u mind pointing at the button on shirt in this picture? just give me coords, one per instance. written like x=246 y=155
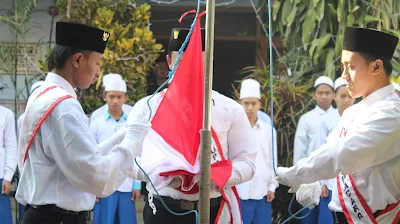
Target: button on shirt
x=105 y=127
x=65 y=166
x=264 y=177
x=232 y=126
x=8 y=144
x=368 y=149
x=308 y=125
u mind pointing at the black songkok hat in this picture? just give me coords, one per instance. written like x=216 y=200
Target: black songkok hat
x=81 y=36
x=178 y=36
x=369 y=41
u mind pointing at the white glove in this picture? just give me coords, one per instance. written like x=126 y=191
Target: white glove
x=136 y=129
x=308 y=193
x=281 y=178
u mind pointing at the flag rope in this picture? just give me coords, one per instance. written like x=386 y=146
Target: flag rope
x=271 y=85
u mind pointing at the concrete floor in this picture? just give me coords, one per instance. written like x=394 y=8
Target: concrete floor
x=139 y=211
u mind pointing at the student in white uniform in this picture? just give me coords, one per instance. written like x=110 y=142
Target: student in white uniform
x=8 y=161
x=397 y=88
x=233 y=130
x=343 y=101
x=119 y=207
x=63 y=168
x=101 y=110
x=363 y=152
x=307 y=128
x=257 y=194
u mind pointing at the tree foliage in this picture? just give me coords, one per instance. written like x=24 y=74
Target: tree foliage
x=314 y=28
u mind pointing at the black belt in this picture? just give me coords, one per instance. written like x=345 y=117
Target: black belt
x=55 y=209
x=188 y=205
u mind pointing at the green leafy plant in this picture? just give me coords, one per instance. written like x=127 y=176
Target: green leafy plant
x=131 y=50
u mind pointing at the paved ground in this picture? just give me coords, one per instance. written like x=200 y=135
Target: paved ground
x=139 y=210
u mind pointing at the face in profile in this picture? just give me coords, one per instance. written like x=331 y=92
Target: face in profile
x=358 y=74
x=86 y=68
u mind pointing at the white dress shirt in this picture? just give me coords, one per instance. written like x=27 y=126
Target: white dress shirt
x=328 y=123
x=232 y=126
x=8 y=144
x=370 y=152
x=308 y=125
x=101 y=110
x=103 y=128
x=264 y=177
x=65 y=166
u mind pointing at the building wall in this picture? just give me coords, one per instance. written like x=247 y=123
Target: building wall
x=40 y=26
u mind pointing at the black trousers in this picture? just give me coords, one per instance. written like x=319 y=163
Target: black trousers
x=163 y=216
x=341 y=218
x=49 y=215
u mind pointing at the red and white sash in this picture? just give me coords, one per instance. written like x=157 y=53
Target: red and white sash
x=38 y=108
x=356 y=208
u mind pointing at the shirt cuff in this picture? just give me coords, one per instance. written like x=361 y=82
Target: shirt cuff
x=272 y=187
x=8 y=176
x=137 y=185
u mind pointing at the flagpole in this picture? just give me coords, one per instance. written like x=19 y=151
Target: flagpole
x=205 y=145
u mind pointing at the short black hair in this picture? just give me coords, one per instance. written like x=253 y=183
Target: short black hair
x=59 y=56
x=387 y=65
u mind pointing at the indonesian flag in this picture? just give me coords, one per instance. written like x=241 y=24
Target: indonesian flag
x=171 y=148
x=179 y=117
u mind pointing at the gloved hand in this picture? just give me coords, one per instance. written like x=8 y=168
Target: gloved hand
x=308 y=193
x=280 y=172
x=136 y=129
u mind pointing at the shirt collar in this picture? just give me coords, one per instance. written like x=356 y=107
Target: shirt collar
x=319 y=110
x=60 y=81
x=258 y=123
x=378 y=95
x=107 y=116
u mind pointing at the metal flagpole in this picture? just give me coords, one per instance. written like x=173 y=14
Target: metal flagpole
x=205 y=145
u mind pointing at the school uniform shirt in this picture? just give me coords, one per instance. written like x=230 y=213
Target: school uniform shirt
x=369 y=150
x=327 y=125
x=65 y=166
x=264 y=117
x=306 y=128
x=101 y=110
x=105 y=127
x=8 y=144
x=264 y=177
x=232 y=127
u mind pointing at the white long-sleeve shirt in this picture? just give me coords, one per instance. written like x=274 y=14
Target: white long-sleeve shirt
x=104 y=128
x=328 y=123
x=233 y=129
x=65 y=166
x=8 y=144
x=264 y=177
x=308 y=125
x=369 y=150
